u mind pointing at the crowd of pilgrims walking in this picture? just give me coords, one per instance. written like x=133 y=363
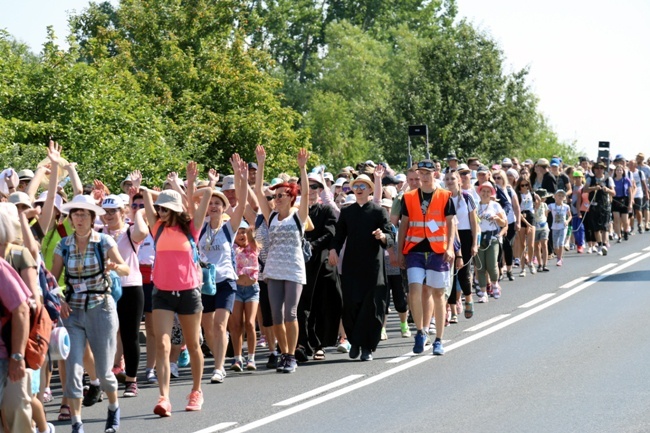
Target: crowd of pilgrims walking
x=296 y=264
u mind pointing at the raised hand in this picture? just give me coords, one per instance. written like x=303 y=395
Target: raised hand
x=260 y=153
x=303 y=156
x=54 y=152
x=235 y=161
x=379 y=172
x=136 y=179
x=213 y=176
x=191 y=172
x=172 y=177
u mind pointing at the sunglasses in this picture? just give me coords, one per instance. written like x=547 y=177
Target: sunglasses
x=360 y=186
x=346 y=189
x=137 y=206
x=160 y=209
x=426 y=164
x=270 y=197
x=110 y=211
x=280 y=195
x=497 y=177
x=525 y=185
x=314 y=186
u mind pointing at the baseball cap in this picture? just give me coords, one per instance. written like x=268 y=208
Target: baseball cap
x=506 y=161
x=555 y=162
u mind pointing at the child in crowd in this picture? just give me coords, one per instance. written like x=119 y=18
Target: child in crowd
x=541 y=230
x=560 y=215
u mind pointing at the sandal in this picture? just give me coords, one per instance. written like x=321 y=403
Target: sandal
x=454 y=318
x=64 y=413
x=319 y=355
x=469 y=310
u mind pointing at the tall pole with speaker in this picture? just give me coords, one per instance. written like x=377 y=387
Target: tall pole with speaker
x=603 y=152
x=418 y=131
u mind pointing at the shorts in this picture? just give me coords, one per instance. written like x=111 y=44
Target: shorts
x=529 y=217
x=148 y=294
x=246 y=294
x=559 y=237
x=639 y=204
x=429 y=269
x=223 y=299
x=541 y=234
x=180 y=302
x=620 y=205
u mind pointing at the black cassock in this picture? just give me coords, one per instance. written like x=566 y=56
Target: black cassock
x=363 y=279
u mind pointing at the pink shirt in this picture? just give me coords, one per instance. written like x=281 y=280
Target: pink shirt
x=174 y=268
x=129 y=254
x=246 y=260
x=13 y=292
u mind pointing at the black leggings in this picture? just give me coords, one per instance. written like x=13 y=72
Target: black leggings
x=464 y=275
x=129 y=313
x=507 y=244
x=398 y=289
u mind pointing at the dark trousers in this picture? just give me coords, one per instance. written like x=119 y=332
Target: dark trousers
x=129 y=313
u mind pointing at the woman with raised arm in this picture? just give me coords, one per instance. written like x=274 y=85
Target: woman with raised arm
x=176 y=284
x=285 y=264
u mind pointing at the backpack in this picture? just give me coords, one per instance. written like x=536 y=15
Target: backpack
x=305 y=246
x=38 y=340
x=49 y=284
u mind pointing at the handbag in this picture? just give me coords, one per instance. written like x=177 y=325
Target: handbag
x=209 y=286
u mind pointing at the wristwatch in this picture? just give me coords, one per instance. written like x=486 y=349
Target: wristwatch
x=17 y=356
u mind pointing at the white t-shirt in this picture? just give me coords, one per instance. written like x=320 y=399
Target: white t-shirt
x=527 y=203
x=147 y=252
x=638 y=176
x=462 y=210
x=485 y=212
x=214 y=248
x=559 y=215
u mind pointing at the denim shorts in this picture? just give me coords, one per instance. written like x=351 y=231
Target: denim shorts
x=180 y=302
x=248 y=293
x=223 y=299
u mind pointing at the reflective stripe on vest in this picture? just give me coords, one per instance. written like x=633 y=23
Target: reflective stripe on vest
x=418 y=230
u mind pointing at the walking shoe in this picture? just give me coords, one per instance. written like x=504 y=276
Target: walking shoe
x=599 y=251
x=163 y=407
x=173 y=370
x=522 y=273
x=93 y=395
x=301 y=354
x=437 y=348
x=112 y=421
x=131 y=389
x=354 y=352
x=539 y=268
x=480 y=293
x=580 y=249
x=516 y=263
x=236 y=365
x=545 y=268
x=366 y=354
x=559 y=263
x=604 y=250
x=427 y=341
x=184 y=358
x=250 y=365
x=50 y=428
x=453 y=318
x=77 y=427
x=119 y=373
x=625 y=236
x=496 y=291
x=640 y=230
x=510 y=277
x=218 y=376
x=272 y=362
x=482 y=299
x=290 y=364
x=420 y=338
x=151 y=376
x=194 y=401
x=384 y=335
x=344 y=346
x=281 y=363
x=404 y=328
x=532 y=269
x=489 y=289
x=261 y=342
x=47 y=395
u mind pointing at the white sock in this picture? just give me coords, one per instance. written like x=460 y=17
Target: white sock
x=95 y=382
x=75 y=419
x=113 y=406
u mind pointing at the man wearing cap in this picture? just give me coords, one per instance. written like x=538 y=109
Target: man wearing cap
x=426 y=251
x=645 y=207
x=252 y=173
x=452 y=162
x=365 y=229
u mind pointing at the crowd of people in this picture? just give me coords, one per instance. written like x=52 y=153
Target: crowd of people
x=296 y=263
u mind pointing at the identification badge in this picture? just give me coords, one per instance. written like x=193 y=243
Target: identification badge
x=432 y=225
x=203 y=257
x=80 y=288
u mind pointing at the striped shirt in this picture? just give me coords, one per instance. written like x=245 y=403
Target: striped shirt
x=85 y=269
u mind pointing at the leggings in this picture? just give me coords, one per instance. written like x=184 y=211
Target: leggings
x=283 y=297
x=463 y=276
x=507 y=244
x=398 y=289
x=486 y=262
x=129 y=312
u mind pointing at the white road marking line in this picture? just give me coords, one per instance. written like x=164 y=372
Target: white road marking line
x=537 y=300
x=216 y=428
x=486 y=323
x=574 y=282
x=419 y=360
x=631 y=256
x=604 y=268
x=410 y=354
x=320 y=390
x=646 y=249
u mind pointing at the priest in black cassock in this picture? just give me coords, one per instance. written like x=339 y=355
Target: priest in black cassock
x=366 y=228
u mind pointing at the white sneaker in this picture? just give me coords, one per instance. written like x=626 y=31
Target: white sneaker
x=533 y=271
x=50 y=428
x=599 y=251
x=173 y=370
x=522 y=273
x=218 y=376
x=406 y=333
x=603 y=250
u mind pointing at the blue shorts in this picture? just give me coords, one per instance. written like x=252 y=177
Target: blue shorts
x=248 y=293
x=223 y=299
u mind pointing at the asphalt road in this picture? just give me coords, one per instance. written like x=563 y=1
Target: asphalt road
x=563 y=351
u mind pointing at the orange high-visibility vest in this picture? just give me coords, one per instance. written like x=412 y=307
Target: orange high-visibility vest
x=418 y=230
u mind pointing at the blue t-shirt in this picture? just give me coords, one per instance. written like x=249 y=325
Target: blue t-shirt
x=622 y=186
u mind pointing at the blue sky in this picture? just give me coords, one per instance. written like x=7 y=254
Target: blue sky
x=588 y=60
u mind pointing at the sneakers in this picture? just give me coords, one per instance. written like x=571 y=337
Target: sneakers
x=437 y=348
x=510 y=277
x=420 y=338
x=354 y=352
x=580 y=249
x=261 y=342
x=603 y=250
x=218 y=376
x=496 y=291
x=490 y=288
x=482 y=299
x=532 y=269
x=559 y=262
x=366 y=355
x=250 y=365
x=480 y=293
x=163 y=408
x=151 y=376
x=237 y=365
x=272 y=362
x=173 y=370
x=77 y=427
x=194 y=401
x=93 y=395
x=343 y=346
x=131 y=389
x=281 y=364
x=184 y=358
x=119 y=373
x=50 y=428
x=404 y=328
x=545 y=268
x=47 y=395
x=384 y=335
x=112 y=421
x=290 y=364
x=523 y=272
x=516 y=263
